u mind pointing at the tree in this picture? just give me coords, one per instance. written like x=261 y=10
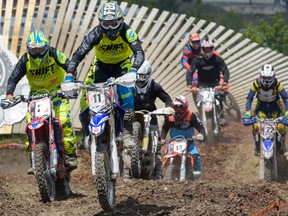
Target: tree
x=273 y=35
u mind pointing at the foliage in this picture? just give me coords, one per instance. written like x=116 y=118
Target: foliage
x=273 y=35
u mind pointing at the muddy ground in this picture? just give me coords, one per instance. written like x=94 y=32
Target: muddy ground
x=230 y=185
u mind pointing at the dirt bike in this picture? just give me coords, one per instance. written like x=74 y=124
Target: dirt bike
x=178 y=163
x=269 y=138
x=45 y=135
x=106 y=125
x=208 y=103
x=143 y=154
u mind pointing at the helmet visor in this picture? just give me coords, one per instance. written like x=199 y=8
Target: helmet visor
x=142 y=77
x=110 y=24
x=37 y=51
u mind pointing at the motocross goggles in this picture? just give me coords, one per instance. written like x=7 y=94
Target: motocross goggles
x=196 y=42
x=110 y=24
x=37 y=51
x=207 y=49
x=142 y=77
x=264 y=78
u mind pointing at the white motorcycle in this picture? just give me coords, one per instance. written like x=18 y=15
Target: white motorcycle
x=106 y=125
x=143 y=155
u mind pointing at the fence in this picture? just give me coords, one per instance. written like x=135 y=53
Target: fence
x=163 y=34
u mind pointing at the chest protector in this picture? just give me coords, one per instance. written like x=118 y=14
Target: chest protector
x=48 y=76
x=183 y=127
x=112 y=52
x=267 y=95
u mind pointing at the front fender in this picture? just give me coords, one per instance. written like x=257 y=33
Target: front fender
x=267 y=148
x=167 y=157
x=97 y=124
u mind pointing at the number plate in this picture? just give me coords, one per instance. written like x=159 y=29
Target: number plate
x=40 y=107
x=178 y=147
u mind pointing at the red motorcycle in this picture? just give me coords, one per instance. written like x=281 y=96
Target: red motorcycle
x=46 y=142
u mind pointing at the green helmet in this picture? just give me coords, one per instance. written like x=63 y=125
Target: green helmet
x=37 y=46
x=111 y=19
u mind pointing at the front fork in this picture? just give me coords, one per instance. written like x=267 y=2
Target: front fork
x=114 y=162
x=183 y=167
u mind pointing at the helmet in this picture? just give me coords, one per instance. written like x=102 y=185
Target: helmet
x=37 y=46
x=144 y=77
x=180 y=105
x=111 y=19
x=267 y=75
x=207 y=47
x=194 y=40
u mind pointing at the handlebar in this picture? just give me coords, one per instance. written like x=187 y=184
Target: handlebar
x=255 y=119
x=8 y=103
x=216 y=88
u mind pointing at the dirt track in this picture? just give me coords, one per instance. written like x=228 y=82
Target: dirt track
x=229 y=186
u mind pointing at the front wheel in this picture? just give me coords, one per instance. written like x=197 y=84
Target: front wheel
x=135 y=151
x=46 y=183
x=105 y=185
x=172 y=172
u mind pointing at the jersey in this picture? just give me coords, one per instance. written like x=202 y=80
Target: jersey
x=108 y=51
x=49 y=75
x=266 y=95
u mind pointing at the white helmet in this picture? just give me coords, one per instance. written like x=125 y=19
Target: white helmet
x=144 y=77
x=207 y=47
x=267 y=75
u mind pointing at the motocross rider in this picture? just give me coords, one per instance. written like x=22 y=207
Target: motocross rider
x=190 y=51
x=183 y=123
x=268 y=91
x=113 y=42
x=44 y=67
x=209 y=66
x=146 y=92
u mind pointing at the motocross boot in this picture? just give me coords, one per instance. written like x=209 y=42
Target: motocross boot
x=284 y=148
x=126 y=173
x=197 y=166
x=71 y=160
x=257 y=145
x=84 y=119
x=158 y=168
x=128 y=120
x=30 y=169
x=222 y=120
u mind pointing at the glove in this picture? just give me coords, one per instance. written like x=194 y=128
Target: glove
x=69 y=79
x=286 y=114
x=189 y=88
x=9 y=96
x=247 y=115
x=133 y=70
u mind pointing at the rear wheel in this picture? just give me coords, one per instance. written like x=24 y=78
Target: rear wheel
x=105 y=186
x=231 y=107
x=46 y=183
